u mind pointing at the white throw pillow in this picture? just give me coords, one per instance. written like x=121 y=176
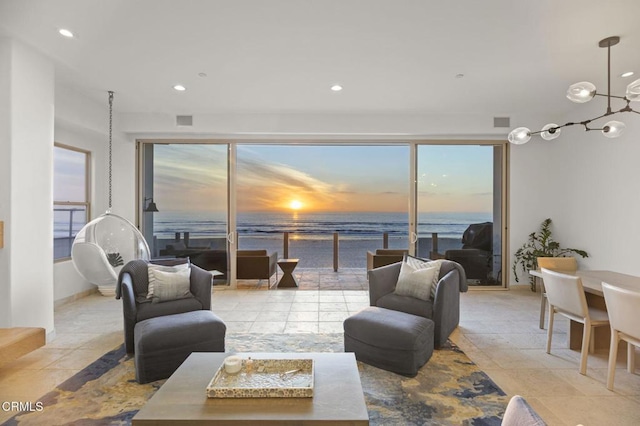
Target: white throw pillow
x=169 y=282
x=415 y=263
x=418 y=263
x=415 y=282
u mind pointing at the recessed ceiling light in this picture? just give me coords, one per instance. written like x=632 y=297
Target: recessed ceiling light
x=336 y=88
x=179 y=88
x=65 y=32
x=626 y=74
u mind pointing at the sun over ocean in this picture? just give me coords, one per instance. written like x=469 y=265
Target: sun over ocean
x=311 y=234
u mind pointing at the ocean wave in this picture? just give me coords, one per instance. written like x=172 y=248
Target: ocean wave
x=361 y=225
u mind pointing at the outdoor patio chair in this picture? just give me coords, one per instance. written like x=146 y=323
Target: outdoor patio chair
x=383 y=257
x=475 y=256
x=256 y=264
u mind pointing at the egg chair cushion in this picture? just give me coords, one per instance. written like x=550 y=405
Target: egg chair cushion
x=91 y=262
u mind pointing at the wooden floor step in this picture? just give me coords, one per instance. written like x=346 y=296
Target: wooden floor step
x=18 y=341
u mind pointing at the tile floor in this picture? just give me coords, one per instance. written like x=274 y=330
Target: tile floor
x=498 y=330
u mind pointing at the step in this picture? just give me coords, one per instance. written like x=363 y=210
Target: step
x=18 y=341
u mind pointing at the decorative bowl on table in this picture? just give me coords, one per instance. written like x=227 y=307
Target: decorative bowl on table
x=264 y=378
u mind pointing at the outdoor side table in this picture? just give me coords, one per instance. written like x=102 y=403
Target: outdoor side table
x=287 y=266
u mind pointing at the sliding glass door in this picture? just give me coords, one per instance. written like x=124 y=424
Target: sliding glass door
x=325 y=204
x=186 y=185
x=305 y=201
x=459 y=204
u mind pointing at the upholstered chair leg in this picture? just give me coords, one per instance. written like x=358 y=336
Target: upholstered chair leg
x=550 y=331
x=586 y=341
x=631 y=358
x=613 y=354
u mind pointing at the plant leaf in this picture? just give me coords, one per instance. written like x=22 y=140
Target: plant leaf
x=539 y=244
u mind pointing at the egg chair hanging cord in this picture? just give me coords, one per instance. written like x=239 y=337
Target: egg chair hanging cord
x=108 y=242
x=110 y=143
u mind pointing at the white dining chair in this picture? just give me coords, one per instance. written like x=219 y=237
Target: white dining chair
x=566 y=297
x=567 y=264
x=623 y=306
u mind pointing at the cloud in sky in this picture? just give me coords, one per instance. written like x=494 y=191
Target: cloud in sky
x=323 y=178
x=272 y=186
x=190 y=177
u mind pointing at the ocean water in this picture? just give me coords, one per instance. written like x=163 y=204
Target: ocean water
x=304 y=225
x=311 y=233
x=68 y=221
x=314 y=225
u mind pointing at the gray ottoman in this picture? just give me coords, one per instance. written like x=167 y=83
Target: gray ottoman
x=391 y=340
x=163 y=343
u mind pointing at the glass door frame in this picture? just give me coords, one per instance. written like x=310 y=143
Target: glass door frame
x=504 y=187
x=413 y=144
x=144 y=186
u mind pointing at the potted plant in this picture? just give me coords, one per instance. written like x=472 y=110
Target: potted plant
x=540 y=244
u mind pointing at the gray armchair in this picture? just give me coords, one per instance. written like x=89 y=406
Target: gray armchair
x=443 y=310
x=132 y=287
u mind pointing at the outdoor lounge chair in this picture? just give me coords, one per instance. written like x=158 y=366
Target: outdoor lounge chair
x=205 y=257
x=256 y=264
x=475 y=256
x=383 y=257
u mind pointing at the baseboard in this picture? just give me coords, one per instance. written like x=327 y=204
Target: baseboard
x=73 y=297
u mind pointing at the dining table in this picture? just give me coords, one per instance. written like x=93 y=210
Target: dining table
x=592 y=284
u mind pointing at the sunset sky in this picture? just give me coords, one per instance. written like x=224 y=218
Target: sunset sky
x=324 y=178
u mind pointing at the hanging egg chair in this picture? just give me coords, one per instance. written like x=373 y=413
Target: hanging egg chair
x=104 y=245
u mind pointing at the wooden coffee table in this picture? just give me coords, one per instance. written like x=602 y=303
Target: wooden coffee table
x=182 y=400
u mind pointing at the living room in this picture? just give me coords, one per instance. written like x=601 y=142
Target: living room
x=516 y=61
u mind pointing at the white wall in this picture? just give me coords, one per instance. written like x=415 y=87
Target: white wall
x=27 y=194
x=579 y=179
x=5 y=175
x=325 y=126
x=597 y=205
x=587 y=184
x=67 y=281
x=83 y=123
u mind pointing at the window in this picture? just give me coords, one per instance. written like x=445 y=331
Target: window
x=70 y=197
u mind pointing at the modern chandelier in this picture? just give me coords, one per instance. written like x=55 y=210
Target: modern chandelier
x=583 y=92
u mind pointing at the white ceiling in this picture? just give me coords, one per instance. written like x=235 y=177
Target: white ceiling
x=282 y=56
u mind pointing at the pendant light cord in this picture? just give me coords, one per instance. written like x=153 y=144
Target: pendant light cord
x=110 y=143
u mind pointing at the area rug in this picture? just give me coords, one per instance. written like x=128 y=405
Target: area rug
x=449 y=390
